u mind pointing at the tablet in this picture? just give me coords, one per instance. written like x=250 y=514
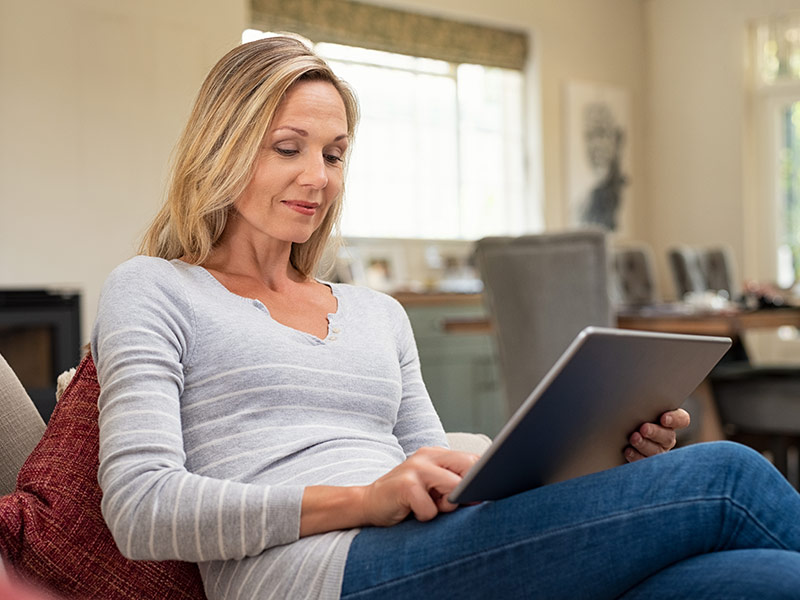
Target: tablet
x=579 y=417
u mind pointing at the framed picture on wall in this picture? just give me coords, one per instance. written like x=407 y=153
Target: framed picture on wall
x=598 y=163
x=379 y=265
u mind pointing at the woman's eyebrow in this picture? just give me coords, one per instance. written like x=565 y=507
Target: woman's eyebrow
x=297 y=130
x=304 y=133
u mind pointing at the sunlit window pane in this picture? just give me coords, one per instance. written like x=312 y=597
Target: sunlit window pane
x=789 y=240
x=492 y=161
x=777 y=51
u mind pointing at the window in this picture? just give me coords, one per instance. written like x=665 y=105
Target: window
x=789 y=190
x=777 y=49
x=776 y=95
x=439 y=151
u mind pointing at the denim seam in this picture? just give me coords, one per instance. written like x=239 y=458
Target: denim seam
x=758 y=523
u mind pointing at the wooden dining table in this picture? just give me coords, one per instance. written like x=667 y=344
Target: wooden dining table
x=731 y=322
x=726 y=322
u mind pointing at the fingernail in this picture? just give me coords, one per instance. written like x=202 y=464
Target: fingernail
x=668 y=420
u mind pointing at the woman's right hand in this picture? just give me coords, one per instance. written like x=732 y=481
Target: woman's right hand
x=420 y=485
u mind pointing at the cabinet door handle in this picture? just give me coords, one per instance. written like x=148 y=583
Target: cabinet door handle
x=473 y=325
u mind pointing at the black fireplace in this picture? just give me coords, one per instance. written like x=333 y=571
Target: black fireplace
x=40 y=338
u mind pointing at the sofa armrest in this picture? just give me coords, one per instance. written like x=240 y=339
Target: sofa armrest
x=21 y=427
x=477 y=443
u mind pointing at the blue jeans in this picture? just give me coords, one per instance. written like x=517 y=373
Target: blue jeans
x=707 y=521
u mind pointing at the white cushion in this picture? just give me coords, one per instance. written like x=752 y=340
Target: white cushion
x=477 y=443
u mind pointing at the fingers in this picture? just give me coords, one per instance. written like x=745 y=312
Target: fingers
x=632 y=454
x=420 y=486
x=440 y=472
x=457 y=462
x=655 y=437
x=676 y=419
x=652 y=438
x=421 y=503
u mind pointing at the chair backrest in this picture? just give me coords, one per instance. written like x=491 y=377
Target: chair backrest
x=21 y=427
x=541 y=290
x=702 y=270
x=634 y=276
x=687 y=270
x=719 y=271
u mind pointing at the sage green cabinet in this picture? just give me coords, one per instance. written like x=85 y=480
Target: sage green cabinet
x=459 y=367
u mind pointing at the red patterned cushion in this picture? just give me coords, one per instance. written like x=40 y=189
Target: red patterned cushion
x=51 y=529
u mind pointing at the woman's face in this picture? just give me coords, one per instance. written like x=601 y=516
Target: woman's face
x=299 y=170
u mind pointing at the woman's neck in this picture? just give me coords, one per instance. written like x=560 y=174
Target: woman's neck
x=268 y=264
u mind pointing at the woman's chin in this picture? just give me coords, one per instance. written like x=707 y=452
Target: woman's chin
x=302 y=238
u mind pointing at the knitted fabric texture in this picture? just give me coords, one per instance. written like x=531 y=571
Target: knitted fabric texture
x=52 y=533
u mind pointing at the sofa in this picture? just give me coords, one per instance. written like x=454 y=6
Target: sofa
x=52 y=534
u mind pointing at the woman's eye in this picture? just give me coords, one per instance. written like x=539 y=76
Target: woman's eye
x=286 y=151
x=333 y=159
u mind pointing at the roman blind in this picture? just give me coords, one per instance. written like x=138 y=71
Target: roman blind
x=391 y=30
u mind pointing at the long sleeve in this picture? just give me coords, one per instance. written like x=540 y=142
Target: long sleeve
x=417 y=424
x=156 y=508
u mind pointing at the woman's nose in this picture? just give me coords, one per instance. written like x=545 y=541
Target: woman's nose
x=314 y=173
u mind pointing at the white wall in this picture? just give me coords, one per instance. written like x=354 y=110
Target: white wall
x=701 y=152
x=93 y=94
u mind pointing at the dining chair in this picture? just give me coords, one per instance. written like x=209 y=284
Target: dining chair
x=634 y=276
x=719 y=271
x=703 y=269
x=687 y=270
x=540 y=291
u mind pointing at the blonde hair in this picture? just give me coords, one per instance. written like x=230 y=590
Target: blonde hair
x=216 y=154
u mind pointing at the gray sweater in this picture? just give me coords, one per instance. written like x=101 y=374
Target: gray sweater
x=214 y=417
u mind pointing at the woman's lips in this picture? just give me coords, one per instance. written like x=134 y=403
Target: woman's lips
x=304 y=208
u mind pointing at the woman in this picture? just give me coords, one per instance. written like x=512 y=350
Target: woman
x=253 y=418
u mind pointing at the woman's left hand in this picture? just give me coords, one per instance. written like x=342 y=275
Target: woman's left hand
x=655 y=438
